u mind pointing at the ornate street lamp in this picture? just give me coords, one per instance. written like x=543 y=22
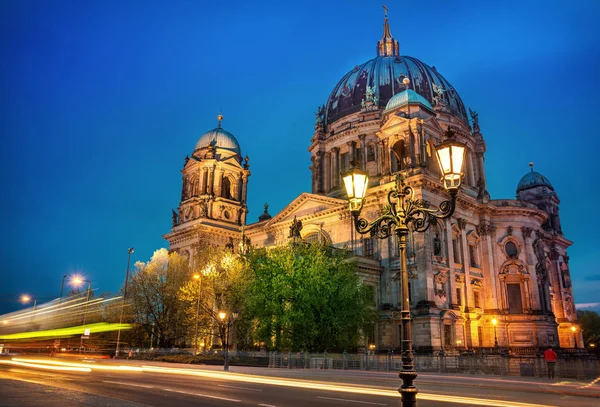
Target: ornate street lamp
x=230 y=320
x=495 y=322
x=402 y=214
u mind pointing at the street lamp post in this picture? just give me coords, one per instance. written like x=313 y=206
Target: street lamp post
x=229 y=320
x=495 y=322
x=62 y=286
x=197 y=277
x=78 y=281
x=404 y=211
x=129 y=252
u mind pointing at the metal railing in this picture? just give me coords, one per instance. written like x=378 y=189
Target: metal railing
x=581 y=368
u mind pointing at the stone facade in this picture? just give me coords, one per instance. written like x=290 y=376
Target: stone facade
x=503 y=259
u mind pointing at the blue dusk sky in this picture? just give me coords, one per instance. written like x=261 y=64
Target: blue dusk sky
x=101 y=101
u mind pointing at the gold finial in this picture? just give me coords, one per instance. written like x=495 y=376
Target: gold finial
x=531 y=165
x=220 y=118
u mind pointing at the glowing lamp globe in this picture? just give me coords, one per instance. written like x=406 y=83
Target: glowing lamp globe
x=355 y=182
x=451 y=157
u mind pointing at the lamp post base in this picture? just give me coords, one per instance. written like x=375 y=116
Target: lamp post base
x=408 y=391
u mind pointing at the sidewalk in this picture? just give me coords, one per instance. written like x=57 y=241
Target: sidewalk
x=390 y=379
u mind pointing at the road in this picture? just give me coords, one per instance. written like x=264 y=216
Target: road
x=36 y=382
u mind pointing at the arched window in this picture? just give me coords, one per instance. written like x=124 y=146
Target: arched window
x=398 y=156
x=226 y=188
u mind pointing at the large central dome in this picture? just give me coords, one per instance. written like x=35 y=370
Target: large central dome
x=384 y=74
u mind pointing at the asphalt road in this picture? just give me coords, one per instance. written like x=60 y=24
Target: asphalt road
x=176 y=385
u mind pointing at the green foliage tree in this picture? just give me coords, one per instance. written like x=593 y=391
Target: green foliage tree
x=589 y=322
x=307 y=297
x=153 y=292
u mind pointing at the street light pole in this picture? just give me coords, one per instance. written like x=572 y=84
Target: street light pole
x=230 y=319
x=87 y=300
x=403 y=211
x=197 y=277
x=129 y=252
x=62 y=286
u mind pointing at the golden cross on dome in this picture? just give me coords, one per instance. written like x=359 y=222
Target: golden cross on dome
x=220 y=118
x=385 y=10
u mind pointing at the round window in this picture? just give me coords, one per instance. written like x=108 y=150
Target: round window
x=511 y=249
x=227 y=215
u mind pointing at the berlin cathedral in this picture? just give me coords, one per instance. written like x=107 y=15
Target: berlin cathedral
x=494 y=274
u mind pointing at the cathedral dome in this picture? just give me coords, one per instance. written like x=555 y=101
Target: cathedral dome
x=533 y=179
x=406 y=97
x=219 y=138
x=384 y=75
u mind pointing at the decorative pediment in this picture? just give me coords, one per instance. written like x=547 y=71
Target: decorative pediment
x=513 y=267
x=307 y=204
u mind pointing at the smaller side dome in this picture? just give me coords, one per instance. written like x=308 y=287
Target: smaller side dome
x=406 y=97
x=533 y=179
x=219 y=138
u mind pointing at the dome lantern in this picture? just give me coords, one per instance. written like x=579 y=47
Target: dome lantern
x=387 y=46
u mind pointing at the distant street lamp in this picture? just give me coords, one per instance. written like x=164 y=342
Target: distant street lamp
x=574 y=330
x=228 y=320
x=129 y=252
x=25 y=299
x=405 y=210
x=495 y=322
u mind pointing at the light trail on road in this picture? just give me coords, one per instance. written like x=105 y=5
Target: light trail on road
x=282 y=382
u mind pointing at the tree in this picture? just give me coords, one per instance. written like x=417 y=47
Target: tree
x=307 y=297
x=154 y=290
x=217 y=283
x=589 y=322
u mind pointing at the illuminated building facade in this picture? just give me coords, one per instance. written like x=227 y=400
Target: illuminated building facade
x=503 y=259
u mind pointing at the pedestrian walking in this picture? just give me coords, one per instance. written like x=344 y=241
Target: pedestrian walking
x=550 y=357
x=130 y=356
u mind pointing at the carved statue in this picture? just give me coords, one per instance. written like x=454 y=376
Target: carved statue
x=295 y=228
x=437 y=245
x=376 y=100
x=174 y=217
x=203 y=208
x=370 y=152
x=370 y=93
x=246 y=162
x=320 y=117
x=474 y=116
x=439 y=97
x=363 y=103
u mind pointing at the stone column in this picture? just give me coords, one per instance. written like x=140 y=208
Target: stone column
x=327 y=171
x=244 y=188
x=363 y=153
x=202 y=181
x=450 y=253
x=335 y=151
x=352 y=145
x=211 y=180
x=320 y=172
